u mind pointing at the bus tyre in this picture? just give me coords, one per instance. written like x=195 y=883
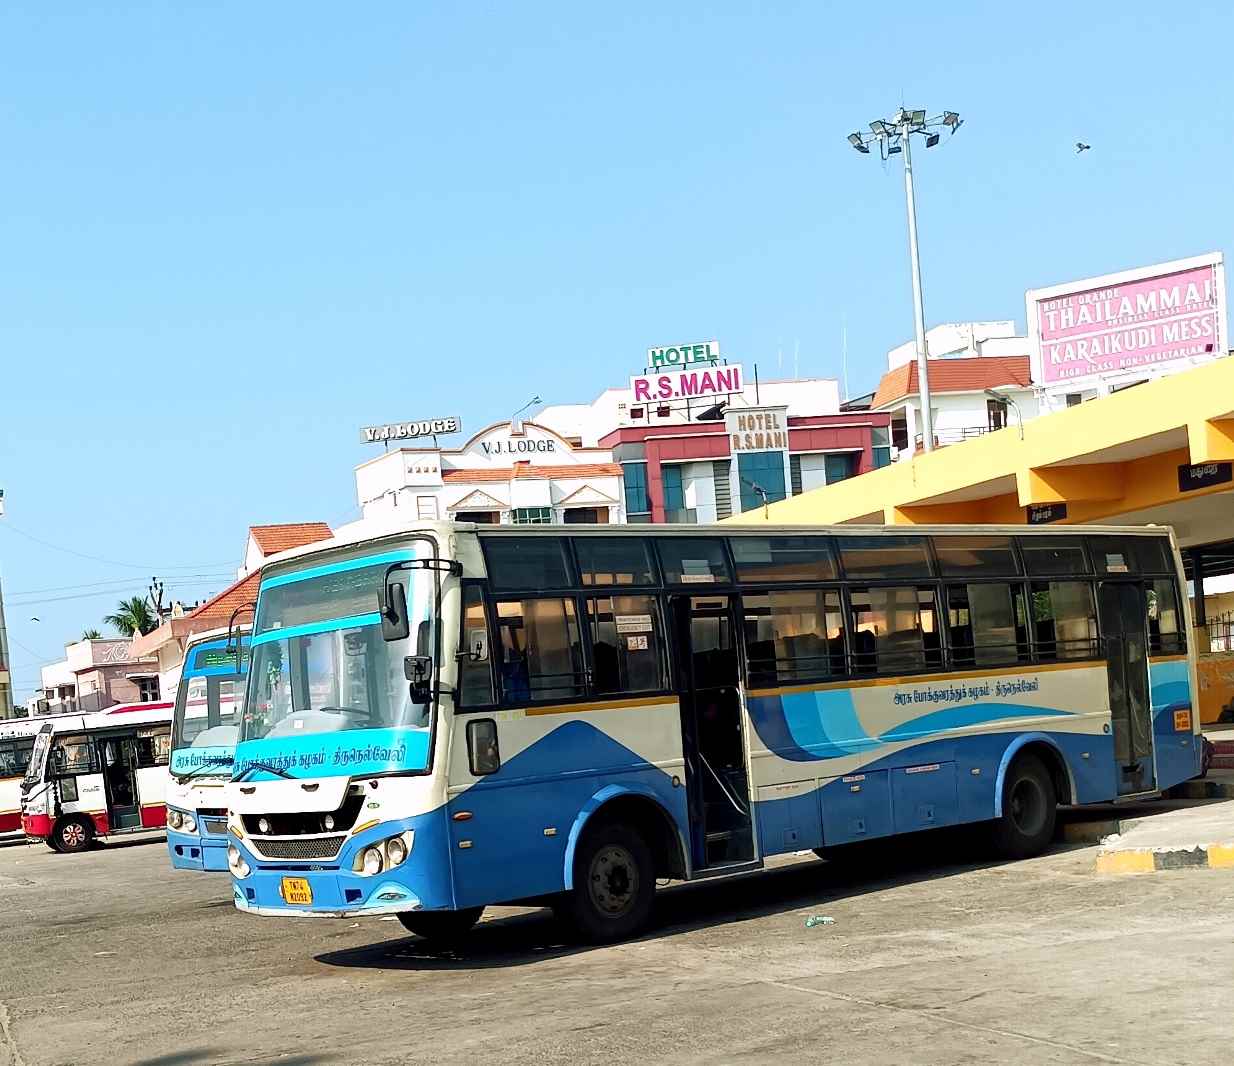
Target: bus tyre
x=1030 y=806
x=71 y=834
x=441 y=927
x=614 y=885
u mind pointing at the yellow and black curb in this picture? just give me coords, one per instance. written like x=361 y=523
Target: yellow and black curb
x=1146 y=860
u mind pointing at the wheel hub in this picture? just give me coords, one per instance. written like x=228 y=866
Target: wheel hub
x=613 y=880
x=74 y=835
x=1027 y=807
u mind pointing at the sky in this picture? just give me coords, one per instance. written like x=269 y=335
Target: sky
x=234 y=233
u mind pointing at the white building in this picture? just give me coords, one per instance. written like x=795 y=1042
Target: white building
x=967 y=362
x=511 y=472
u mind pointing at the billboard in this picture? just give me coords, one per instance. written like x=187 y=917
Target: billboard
x=1133 y=320
x=698 y=384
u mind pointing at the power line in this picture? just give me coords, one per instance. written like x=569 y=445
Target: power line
x=118 y=583
x=149 y=567
x=38 y=601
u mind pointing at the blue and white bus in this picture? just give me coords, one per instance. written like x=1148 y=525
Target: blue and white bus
x=455 y=716
x=203 y=746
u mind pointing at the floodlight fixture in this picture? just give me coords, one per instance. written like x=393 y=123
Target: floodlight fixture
x=880 y=127
x=931 y=140
x=917 y=118
x=951 y=118
x=892 y=149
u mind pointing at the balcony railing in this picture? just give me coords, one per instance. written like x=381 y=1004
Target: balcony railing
x=943 y=437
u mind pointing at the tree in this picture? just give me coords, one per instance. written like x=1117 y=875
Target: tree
x=132 y=617
x=92 y=634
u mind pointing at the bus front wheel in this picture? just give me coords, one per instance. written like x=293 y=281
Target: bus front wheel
x=1030 y=806
x=614 y=884
x=71 y=835
x=441 y=927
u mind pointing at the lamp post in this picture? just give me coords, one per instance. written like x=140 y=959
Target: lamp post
x=894 y=137
x=1004 y=398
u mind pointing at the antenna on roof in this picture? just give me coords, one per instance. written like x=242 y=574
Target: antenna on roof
x=844 y=350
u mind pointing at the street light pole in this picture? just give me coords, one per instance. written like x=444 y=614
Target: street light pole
x=923 y=370
x=894 y=136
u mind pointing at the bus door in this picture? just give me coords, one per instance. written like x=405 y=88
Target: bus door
x=713 y=744
x=118 y=754
x=1123 y=617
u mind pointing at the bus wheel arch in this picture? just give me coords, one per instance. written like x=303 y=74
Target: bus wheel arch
x=642 y=812
x=1047 y=752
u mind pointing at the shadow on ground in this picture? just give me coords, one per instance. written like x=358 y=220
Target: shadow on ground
x=847 y=872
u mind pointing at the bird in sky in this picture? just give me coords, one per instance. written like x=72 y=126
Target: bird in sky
x=1080 y=146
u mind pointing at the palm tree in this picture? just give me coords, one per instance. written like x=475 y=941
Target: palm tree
x=92 y=634
x=132 y=617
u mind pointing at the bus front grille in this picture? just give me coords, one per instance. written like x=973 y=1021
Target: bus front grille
x=303 y=848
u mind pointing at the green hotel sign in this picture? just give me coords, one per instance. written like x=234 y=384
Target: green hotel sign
x=680 y=356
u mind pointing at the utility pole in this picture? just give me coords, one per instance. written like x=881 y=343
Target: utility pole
x=894 y=137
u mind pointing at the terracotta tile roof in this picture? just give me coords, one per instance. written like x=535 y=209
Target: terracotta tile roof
x=217 y=611
x=954 y=375
x=529 y=470
x=271 y=539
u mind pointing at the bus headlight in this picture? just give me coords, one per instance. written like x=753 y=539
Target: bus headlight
x=396 y=850
x=174 y=820
x=189 y=823
x=236 y=863
x=371 y=861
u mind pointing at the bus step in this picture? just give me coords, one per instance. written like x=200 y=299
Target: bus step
x=719 y=836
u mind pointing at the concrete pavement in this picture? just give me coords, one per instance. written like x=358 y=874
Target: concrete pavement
x=113 y=957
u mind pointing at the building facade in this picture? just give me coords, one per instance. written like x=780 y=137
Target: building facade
x=619 y=459
x=96 y=674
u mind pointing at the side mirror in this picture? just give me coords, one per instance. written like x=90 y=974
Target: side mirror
x=392 y=605
x=418 y=669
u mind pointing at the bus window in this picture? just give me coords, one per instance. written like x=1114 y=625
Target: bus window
x=1053 y=556
x=986 y=624
x=74 y=755
x=15 y=756
x=626 y=644
x=475 y=668
x=964 y=556
x=693 y=561
x=1165 y=632
x=1064 y=620
x=894 y=630
x=541 y=654
x=614 y=561
x=878 y=558
x=793 y=635
x=526 y=563
x=153 y=747
x=1129 y=555
x=779 y=559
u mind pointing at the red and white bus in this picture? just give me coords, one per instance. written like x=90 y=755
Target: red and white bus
x=97 y=775
x=16 y=743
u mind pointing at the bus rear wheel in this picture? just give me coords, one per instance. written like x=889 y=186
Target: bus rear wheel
x=71 y=835
x=614 y=885
x=1030 y=806
x=441 y=927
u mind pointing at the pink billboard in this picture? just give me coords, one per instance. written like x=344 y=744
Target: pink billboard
x=1124 y=322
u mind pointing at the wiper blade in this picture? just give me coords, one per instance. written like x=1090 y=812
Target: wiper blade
x=278 y=771
x=222 y=768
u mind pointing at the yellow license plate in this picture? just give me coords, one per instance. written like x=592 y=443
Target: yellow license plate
x=296 y=890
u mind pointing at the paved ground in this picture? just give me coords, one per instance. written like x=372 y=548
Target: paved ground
x=111 y=957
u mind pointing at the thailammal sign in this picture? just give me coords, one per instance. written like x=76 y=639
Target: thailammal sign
x=1137 y=319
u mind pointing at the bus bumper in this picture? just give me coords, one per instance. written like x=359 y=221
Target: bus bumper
x=421 y=882
x=36 y=825
x=190 y=851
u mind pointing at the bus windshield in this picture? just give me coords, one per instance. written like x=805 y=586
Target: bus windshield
x=208 y=705
x=34 y=770
x=326 y=692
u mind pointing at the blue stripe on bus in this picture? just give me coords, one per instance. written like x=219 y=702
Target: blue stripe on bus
x=337 y=568
x=329 y=625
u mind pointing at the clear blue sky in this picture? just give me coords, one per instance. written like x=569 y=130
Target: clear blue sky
x=234 y=234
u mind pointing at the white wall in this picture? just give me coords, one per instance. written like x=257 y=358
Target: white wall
x=963 y=339
x=955 y=412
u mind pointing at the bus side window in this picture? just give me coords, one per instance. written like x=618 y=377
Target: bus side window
x=74 y=755
x=985 y=624
x=475 y=667
x=793 y=635
x=541 y=653
x=1165 y=633
x=625 y=644
x=8 y=761
x=153 y=748
x=895 y=630
x=1064 y=620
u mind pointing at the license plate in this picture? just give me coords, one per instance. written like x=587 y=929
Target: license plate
x=296 y=890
